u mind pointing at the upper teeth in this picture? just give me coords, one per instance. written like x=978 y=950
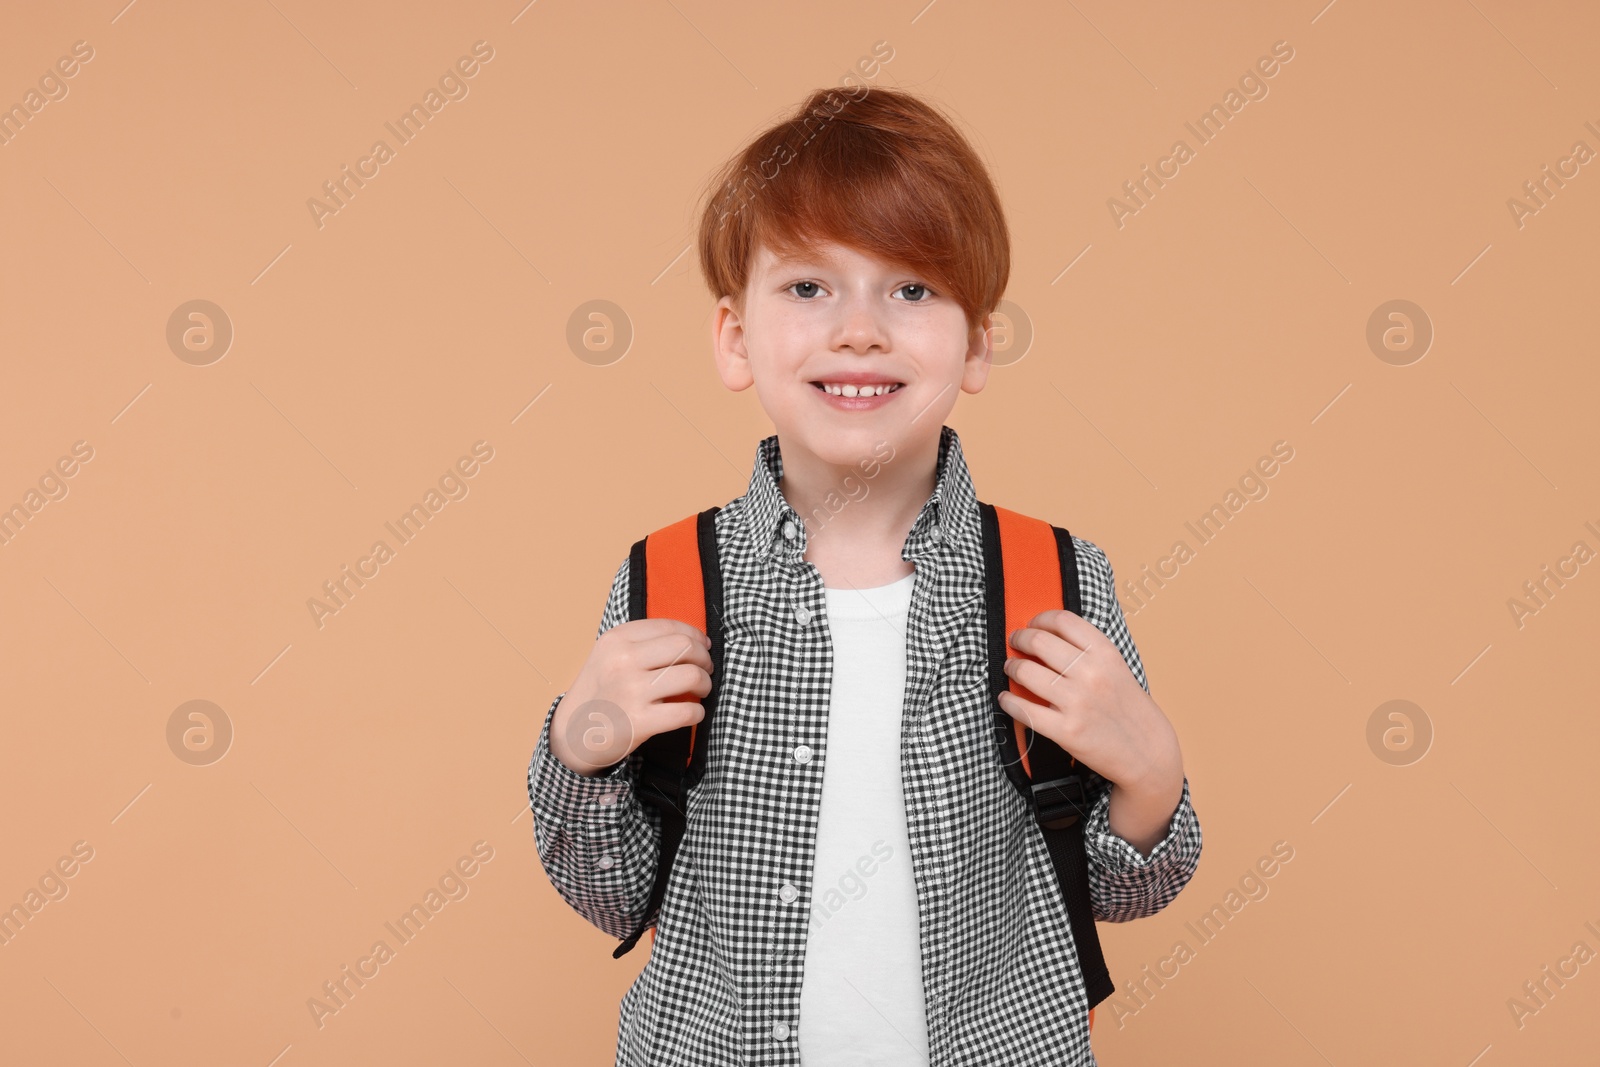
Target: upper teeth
x=859 y=390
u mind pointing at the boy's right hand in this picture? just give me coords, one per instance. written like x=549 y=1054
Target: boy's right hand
x=639 y=680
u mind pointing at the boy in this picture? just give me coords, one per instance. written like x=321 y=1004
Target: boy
x=858 y=882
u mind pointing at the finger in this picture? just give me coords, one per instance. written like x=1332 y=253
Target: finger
x=678 y=679
x=1026 y=711
x=669 y=715
x=1060 y=726
x=1069 y=626
x=1049 y=647
x=669 y=649
x=652 y=629
x=1043 y=683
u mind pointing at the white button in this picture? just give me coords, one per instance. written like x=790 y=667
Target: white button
x=933 y=532
x=788 y=530
x=787 y=893
x=802 y=754
x=781 y=1031
x=607 y=862
x=607 y=798
x=802 y=615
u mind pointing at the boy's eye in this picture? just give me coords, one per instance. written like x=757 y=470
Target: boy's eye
x=815 y=288
x=922 y=291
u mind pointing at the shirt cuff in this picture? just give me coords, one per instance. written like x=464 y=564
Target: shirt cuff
x=558 y=794
x=1118 y=853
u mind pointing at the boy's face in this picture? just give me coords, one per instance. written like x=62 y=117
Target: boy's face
x=835 y=311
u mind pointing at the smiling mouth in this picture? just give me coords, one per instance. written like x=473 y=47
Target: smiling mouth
x=876 y=389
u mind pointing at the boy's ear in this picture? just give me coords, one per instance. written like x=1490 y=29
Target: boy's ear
x=727 y=346
x=980 y=356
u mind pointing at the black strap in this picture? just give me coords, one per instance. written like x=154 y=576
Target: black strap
x=1059 y=791
x=669 y=770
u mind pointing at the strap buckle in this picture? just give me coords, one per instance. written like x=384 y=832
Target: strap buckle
x=1060 y=802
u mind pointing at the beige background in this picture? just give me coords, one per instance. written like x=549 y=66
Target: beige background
x=431 y=312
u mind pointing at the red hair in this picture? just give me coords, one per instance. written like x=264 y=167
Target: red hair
x=877 y=170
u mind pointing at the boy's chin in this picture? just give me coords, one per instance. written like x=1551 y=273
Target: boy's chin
x=849 y=446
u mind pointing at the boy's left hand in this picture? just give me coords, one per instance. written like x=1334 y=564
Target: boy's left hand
x=1095 y=709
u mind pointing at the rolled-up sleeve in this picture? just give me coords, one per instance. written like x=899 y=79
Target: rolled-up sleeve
x=597 y=843
x=1123 y=883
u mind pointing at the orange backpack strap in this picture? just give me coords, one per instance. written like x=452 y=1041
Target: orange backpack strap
x=673 y=585
x=1030 y=566
x=673 y=573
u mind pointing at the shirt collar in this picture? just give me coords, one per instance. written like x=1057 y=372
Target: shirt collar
x=779 y=533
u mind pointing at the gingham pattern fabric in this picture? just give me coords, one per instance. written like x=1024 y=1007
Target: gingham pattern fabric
x=722 y=984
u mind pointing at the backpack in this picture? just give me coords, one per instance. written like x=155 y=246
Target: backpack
x=1030 y=566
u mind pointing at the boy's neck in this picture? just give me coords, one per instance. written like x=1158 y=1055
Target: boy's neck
x=856 y=526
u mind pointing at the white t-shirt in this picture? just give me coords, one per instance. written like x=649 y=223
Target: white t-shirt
x=861 y=996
